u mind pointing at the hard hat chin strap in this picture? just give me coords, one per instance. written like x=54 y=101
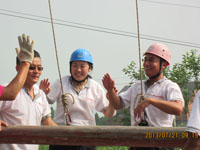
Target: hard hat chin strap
x=79 y=82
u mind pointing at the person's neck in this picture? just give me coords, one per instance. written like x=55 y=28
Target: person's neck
x=79 y=85
x=28 y=85
x=152 y=81
x=30 y=89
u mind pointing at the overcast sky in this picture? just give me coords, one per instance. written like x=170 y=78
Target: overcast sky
x=93 y=24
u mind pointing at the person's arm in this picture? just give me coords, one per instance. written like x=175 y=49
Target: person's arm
x=109 y=111
x=25 y=55
x=193 y=125
x=171 y=107
x=11 y=90
x=174 y=107
x=112 y=96
x=48 y=121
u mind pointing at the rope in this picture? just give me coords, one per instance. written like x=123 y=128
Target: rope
x=64 y=95
x=138 y=34
x=54 y=37
x=65 y=101
x=141 y=98
x=141 y=85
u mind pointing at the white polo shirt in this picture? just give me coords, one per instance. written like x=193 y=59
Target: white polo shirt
x=91 y=98
x=24 y=111
x=193 y=124
x=163 y=89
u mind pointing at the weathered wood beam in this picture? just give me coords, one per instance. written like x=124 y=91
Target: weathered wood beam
x=95 y=136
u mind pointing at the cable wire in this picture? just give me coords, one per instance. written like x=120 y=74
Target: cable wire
x=123 y=33
x=142 y=35
x=165 y=3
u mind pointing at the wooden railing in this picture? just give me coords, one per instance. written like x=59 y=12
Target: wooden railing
x=95 y=136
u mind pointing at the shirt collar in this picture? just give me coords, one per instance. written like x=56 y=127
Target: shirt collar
x=35 y=88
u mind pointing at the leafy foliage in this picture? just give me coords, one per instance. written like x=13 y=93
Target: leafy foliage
x=44 y=147
x=52 y=112
x=133 y=72
x=186 y=71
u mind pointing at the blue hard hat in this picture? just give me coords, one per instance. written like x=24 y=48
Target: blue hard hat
x=81 y=55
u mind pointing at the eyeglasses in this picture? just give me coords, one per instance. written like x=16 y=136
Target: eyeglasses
x=39 y=68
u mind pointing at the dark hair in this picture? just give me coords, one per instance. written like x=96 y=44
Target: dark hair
x=36 y=54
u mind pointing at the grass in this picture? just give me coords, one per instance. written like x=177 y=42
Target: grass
x=112 y=148
x=46 y=147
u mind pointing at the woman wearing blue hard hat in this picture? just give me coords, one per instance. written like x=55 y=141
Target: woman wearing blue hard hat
x=84 y=96
x=82 y=58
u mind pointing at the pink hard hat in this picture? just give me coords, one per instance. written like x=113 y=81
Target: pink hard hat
x=161 y=51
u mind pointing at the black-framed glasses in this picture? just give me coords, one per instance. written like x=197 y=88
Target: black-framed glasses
x=39 y=68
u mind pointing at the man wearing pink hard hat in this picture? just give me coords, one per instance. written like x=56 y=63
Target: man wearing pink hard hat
x=161 y=98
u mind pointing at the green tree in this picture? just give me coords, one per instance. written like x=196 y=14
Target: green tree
x=186 y=71
x=133 y=72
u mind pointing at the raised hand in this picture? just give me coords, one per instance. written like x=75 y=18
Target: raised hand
x=25 y=52
x=45 y=86
x=108 y=83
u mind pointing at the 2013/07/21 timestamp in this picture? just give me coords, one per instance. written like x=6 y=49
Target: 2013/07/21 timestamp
x=173 y=135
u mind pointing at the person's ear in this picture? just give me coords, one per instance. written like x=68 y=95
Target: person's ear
x=164 y=64
x=89 y=69
x=17 y=68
